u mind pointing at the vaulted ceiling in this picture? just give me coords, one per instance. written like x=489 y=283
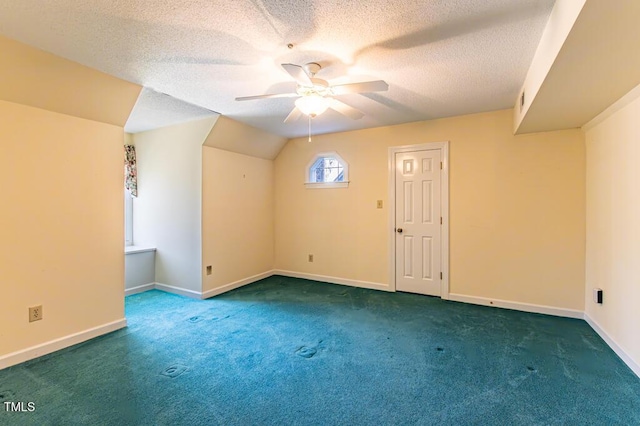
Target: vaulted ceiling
x=440 y=58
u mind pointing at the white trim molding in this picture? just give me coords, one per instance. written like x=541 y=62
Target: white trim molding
x=333 y=280
x=249 y=280
x=236 y=284
x=178 y=290
x=137 y=249
x=634 y=366
x=517 y=306
x=60 y=343
x=73 y=339
x=196 y=294
x=444 y=210
x=326 y=185
x=139 y=289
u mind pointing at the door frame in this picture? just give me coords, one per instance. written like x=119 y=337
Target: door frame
x=444 y=207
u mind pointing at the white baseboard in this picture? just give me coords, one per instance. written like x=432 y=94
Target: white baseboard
x=196 y=294
x=73 y=339
x=236 y=284
x=178 y=290
x=634 y=366
x=333 y=280
x=139 y=289
x=518 y=306
x=60 y=343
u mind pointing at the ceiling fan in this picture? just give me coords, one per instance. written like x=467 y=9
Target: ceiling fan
x=316 y=95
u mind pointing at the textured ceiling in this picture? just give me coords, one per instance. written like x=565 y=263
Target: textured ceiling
x=153 y=110
x=441 y=58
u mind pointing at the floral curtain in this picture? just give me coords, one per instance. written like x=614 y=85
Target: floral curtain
x=130 y=170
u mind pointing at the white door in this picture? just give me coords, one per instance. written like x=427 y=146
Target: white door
x=418 y=229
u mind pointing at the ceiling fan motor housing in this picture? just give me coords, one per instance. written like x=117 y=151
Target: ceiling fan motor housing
x=320 y=87
x=315 y=95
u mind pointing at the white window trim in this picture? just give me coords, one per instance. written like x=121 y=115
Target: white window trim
x=128 y=218
x=326 y=185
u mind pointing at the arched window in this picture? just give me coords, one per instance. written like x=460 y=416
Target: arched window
x=327 y=170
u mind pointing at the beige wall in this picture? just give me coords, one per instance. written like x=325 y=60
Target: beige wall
x=517 y=220
x=613 y=230
x=167 y=211
x=61 y=239
x=237 y=217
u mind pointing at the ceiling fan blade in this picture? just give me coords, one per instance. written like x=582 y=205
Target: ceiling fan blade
x=364 y=87
x=298 y=73
x=293 y=115
x=345 y=109
x=274 y=95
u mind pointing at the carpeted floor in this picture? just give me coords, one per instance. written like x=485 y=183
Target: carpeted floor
x=290 y=351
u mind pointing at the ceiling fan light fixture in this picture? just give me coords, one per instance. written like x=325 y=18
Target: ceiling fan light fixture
x=312 y=105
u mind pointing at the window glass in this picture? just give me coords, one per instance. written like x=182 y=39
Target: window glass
x=326 y=169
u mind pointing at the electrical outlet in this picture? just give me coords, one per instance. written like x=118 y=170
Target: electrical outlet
x=597 y=295
x=310 y=258
x=35 y=313
x=209 y=270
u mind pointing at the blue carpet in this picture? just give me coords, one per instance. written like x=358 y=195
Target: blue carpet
x=290 y=351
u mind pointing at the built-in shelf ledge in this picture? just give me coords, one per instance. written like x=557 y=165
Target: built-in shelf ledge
x=137 y=249
x=325 y=185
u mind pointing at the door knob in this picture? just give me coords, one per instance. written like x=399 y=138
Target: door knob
x=399 y=230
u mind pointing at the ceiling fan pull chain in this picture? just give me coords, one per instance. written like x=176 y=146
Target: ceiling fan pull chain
x=309 y=129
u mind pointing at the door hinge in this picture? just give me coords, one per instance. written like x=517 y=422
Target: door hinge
x=440 y=275
x=441 y=165
x=441 y=220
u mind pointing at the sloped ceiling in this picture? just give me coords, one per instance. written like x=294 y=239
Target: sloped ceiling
x=153 y=110
x=39 y=79
x=441 y=58
x=597 y=63
x=234 y=136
